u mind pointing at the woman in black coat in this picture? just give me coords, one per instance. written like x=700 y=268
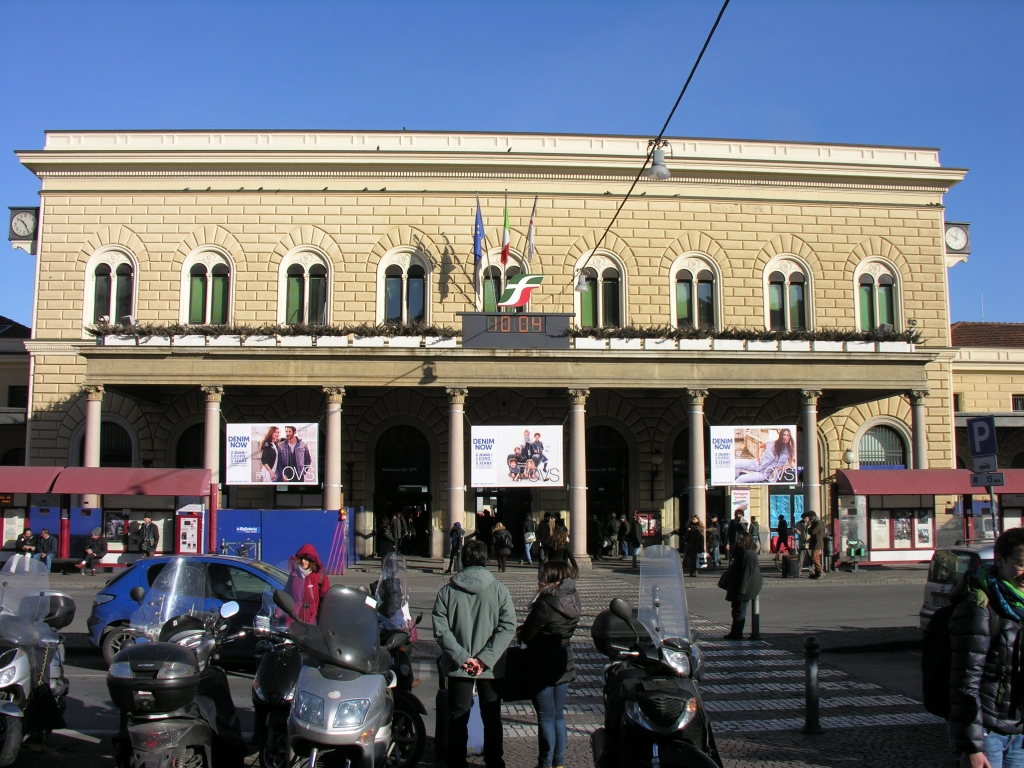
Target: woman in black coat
x=693 y=546
x=547 y=634
x=742 y=582
x=557 y=550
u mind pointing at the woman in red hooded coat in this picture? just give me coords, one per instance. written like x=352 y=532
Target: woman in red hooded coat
x=306 y=584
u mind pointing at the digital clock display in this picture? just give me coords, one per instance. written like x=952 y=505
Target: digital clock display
x=516 y=324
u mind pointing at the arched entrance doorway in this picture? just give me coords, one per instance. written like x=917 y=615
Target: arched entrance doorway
x=607 y=475
x=402 y=485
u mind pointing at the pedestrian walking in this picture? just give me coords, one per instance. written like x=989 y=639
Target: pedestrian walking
x=46 y=548
x=742 y=582
x=558 y=550
x=306 y=583
x=984 y=629
x=594 y=537
x=547 y=634
x=611 y=536
x=816 y=543
x=385 y=538
x=149 y=537
x=474 y=621
x=714 y=542
x=544 y=532
x=399 y=532
x=782 y=543
x=755 y=534
x=529 y=538
x=723 y=537
x=502 y=545
x=693 y=546
x=95 y=551
x=636 y=533
x=455 y=538
x=624 y=528
x=736 y=526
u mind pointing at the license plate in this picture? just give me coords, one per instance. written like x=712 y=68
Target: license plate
x=939 y=599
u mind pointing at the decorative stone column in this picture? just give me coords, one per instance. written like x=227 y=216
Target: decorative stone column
x=578 y=476
x=812 y=471
x=211 y=433
x=456 y=459
x=333 y=497
x=91 y=449
x=919 y=428
x=698 y=481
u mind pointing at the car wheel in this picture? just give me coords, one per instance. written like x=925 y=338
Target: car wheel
x=114 y=640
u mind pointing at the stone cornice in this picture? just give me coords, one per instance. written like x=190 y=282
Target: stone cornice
x=43 y=347
x=977 y=359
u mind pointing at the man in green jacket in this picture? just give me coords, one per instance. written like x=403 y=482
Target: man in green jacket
x=474 y=622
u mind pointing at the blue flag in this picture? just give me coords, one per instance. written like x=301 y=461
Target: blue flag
x=478 y=234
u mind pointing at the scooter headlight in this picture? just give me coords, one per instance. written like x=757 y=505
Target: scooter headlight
x=8 y=661
x=662 y=719
x=310 y=709
x=173 y=670
x=121 y=669
x=678 y=660
x=351 y=713
x=258 y=690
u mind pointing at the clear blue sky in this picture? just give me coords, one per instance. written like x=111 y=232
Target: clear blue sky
x=936 y=74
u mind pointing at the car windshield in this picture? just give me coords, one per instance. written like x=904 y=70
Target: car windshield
x=661 y=607
x=179 y=590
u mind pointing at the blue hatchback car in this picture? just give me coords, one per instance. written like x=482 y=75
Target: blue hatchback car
x=229 y=578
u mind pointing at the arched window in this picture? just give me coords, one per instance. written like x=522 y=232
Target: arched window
x=877 y=296
x=403 y=292
x=305 y=289
x=786 y=296
x=110 y=287
x=116 y=448
x=694 y=294
x=494 y=278
x=882 y=447
x=206 y=289
x=602 y=302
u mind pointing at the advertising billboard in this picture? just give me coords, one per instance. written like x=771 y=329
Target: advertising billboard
x=754 y=455
x=283 y=453
x=517 y=456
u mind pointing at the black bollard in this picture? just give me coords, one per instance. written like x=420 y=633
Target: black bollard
x=755 y=618
x=812 y=649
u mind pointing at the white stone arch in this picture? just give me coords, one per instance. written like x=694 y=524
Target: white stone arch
x=306 y=256
x=876 y=266
x=900 y=427
x=694 y=261
x=75 y=443
x=789 y=264
x=405 y=257
x=113 y=256
x=600 y=261
x=492 y=258
x=209 y=256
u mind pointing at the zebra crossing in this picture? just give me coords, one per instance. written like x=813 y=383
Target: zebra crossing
x=747 y=685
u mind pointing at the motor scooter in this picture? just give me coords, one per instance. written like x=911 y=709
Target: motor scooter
x=33 y=687
x=176 y=706
x=654 y=714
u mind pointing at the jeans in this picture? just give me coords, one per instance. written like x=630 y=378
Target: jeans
x=1004 y=751
x=625 y=549
x=551 y=730
x=636 y=551
x=455 y=561
x=716 y=556
x=45 y=558
x=460 y=702
x=739 y=610
x=526 y=551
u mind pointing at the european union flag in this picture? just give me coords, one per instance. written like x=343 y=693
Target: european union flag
x=478 y=234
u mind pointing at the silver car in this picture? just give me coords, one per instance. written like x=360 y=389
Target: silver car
x=946 y=568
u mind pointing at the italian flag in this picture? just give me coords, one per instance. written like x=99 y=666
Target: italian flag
x=505 y=239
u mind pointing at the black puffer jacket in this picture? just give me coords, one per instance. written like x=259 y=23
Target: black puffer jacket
x=547 y=633
x=982 y=670
x=743 y=579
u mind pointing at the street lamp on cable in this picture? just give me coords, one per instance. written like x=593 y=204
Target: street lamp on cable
x=658 y=169
x=581 y=283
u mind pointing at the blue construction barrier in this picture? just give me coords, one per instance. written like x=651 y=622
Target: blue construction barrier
x=280 y=533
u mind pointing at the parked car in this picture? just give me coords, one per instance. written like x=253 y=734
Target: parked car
x=229 y=578
x=946 y=568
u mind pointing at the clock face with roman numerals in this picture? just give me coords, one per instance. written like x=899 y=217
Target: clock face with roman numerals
x=23 y=224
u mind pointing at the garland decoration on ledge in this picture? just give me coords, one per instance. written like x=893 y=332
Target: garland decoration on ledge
x=143 y=330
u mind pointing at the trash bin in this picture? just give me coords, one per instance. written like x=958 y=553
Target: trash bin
x=791 y=566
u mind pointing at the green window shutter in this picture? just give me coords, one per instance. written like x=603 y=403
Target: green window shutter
x=797 y=307
x=886 y=305
x=776 y=317
x=867 y=306
x=684 y=303
x=219 y=300
x=293 y=303
x=588 y=305
x=197 y=299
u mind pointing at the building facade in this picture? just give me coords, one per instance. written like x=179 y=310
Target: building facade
x=351 y=230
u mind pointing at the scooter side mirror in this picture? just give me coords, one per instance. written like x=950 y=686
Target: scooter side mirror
x=418 y=620
x=623 y=610
x=229 y=609
x=138 y=594
x=285 y=602
x=396 y=641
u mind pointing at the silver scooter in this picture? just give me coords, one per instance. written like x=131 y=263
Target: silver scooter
x=344 y=701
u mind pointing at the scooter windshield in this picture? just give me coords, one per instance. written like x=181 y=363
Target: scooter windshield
x=180 y=589
x=270 y=618
x=24 y=599
x=345 y=633
x=662 y=604
x=392 y=594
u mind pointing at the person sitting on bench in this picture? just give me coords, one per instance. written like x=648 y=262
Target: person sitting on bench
x=46 y=548
x=95 y=550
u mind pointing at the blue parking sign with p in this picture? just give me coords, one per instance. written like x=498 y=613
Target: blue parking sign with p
x=981 y=436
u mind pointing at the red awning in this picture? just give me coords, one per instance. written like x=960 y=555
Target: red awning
x=117 y=481
x=28 y=479
x=913 y=482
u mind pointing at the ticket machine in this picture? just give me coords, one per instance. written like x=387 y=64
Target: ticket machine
x=189 y=534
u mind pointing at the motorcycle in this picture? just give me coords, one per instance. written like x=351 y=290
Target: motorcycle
x=33 y=688
x=408 y=729
x=654 y=714
x=344 y=701
x=176 y=707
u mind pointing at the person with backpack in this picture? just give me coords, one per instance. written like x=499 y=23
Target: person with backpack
x=982 y=622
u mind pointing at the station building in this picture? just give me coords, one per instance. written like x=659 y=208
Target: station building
x=353 y=230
